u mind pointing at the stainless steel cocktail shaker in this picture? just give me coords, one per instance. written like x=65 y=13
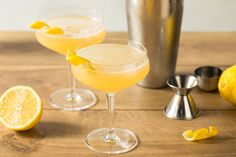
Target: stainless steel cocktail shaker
x=156 y=24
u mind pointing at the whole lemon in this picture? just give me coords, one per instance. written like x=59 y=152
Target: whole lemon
x=227 y=85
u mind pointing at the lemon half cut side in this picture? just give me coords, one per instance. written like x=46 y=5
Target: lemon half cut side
x=20 y=108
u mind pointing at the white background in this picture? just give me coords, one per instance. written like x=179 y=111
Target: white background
x=199 y=15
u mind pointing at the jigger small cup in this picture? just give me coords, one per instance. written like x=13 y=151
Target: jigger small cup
x=208 y=77
x=182 y=105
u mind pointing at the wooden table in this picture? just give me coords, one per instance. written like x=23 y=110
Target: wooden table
x=61 y=133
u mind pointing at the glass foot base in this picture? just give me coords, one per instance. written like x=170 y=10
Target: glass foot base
x=120 y=141
x=81 y=99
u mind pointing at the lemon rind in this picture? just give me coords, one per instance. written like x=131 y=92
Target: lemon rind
x=208 y=133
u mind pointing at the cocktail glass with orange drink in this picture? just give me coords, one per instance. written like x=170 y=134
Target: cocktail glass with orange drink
x=111 y=68
x=70 y=28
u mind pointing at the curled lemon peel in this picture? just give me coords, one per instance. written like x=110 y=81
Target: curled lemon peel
x=74 y=59
x=38 y=25
x=46 y=28
x=54 y=30
x=200 y=134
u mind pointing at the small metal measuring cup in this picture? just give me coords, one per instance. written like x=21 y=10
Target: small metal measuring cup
x=208 y=77
x=182 y=105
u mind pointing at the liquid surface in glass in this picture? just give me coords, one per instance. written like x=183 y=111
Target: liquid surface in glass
x=79 y=32
x=114 y=67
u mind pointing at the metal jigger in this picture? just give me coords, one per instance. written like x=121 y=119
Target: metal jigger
x=182 y=105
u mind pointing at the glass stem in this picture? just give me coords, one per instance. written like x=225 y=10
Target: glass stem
x=71 y=96
x=71 y=80
x=110 y=100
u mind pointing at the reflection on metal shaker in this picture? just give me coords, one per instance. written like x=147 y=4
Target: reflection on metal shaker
x=156 y=24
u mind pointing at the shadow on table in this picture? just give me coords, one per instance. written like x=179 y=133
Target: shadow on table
x=57 y=129
x=30 y=140
x=50 y=130
x=217 y=139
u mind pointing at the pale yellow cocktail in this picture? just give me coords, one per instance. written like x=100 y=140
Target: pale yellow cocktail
x=79 y=32
x=114 y=67
x=76 y=28
x=110 y=68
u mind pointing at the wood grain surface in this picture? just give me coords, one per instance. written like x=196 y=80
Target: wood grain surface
x=61 y=133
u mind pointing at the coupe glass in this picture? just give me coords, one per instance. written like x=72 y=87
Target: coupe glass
x=120 y=66
x=82 y=28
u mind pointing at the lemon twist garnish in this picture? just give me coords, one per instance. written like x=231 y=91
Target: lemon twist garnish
x=200 y=134
x=38 y=25
x=74 y=59
x=54 y=30
x=47 y=28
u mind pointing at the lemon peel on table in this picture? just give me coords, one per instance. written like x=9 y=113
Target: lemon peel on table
x=74 y=59
x=200 y=134
x=38 y=25
x=20 y=108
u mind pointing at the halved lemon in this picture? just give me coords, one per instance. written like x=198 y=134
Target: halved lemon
x=20 y=108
